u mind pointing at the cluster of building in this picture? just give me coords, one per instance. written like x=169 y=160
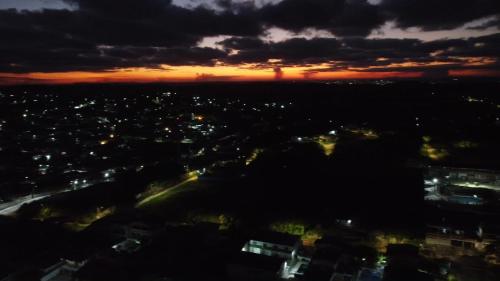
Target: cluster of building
x=69 y=142
x=464 y=222
x=461 y=185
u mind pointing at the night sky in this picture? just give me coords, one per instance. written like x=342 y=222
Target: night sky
x=65 y=41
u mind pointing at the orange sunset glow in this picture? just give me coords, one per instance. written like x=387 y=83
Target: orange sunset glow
x=224 y=73
x=90 y=41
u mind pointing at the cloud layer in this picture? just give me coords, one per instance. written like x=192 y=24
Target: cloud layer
x=103 y=35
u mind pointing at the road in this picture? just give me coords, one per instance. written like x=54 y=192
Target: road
x=9 y=208
x=169 y=189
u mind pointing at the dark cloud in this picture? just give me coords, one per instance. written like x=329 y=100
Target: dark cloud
x=292 y=51
x=494 y=22
x=440 y=14
x=242 y=43
x=341 y=17
x=101 y=35
x=156 y=23
x=368 y=54
x=225 y=4
x=475 y=47
x=29 y=60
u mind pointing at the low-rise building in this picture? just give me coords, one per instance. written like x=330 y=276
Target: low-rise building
x=249 y=266
x=466 y=177
x=447 y=241
x=283 y=246
x=273 y=244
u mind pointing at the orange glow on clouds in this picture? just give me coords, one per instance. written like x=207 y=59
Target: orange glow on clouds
x=475 y=72
x=233 y=73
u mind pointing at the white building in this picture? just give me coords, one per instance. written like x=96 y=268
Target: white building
x=279 y=245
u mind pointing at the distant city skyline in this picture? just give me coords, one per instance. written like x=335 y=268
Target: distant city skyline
x=66 y=41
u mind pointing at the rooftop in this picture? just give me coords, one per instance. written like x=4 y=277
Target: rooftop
x=276 y=238
x=257 y=261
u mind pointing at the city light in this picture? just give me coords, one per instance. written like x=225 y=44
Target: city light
x=353 y=140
